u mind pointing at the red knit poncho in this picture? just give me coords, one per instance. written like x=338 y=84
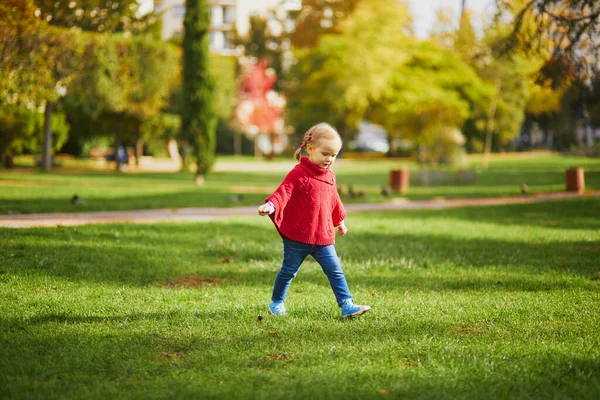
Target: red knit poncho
x=307 y=204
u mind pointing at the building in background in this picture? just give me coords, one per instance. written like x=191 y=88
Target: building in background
x=227 y=16
x=224 y=14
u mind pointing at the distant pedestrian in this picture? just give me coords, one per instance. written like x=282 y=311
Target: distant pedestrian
x=306 y=209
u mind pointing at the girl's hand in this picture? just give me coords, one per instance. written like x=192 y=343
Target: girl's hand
x=342 y=230
x=263 y=210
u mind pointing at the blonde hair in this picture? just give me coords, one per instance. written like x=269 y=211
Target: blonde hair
x=316 y=134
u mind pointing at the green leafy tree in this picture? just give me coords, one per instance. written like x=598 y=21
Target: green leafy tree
x=375 y=69
x=154 y=70
x=62 y=67
x=38 y=63
x=198 y=121
x=95 y=15
x=429 y=98
x=126 y=82
x=565 y=33
x=317 y=18
x=21 y=54
x=512 y=76
x=347 y=72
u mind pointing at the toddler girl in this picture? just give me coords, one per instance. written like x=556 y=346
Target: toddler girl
x=306 y=209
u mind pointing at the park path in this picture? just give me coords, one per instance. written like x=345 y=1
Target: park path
x=208 y=214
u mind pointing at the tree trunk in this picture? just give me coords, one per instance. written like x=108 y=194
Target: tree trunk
x=47 y=151
x=256 y=148
x=185 y=159
x=489 y=128
x=139 y=151
x=237 y=144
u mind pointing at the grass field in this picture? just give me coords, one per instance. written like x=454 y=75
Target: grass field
x=248 y=182
x=473 y=303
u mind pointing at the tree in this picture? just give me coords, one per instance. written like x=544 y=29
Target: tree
x=95 y=15
x=374 y=69
x=39 y=62
x=62 y=67
x=346 y=72
x=198 y=121
x=317 y=18
x=126 y=82
x=430 y=96
x=21 y=55
x=569 y=28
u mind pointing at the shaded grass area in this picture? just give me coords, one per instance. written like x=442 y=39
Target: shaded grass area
x=498 y=302
x=32 y=192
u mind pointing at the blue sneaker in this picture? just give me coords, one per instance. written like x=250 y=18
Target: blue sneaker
x=349 y=309
x=277 y=308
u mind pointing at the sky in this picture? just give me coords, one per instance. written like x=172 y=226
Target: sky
x=424 y=12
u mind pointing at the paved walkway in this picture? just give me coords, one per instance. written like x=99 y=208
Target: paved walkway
x=207 y=214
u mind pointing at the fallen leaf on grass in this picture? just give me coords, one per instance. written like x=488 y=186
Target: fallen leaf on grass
x=280 y=357
x=384 y=391
x=373 y=294
x=226 y=260
x=274 y=334
x=473 y=330
x=409 y=364
x=189 y=281
x=562 y=265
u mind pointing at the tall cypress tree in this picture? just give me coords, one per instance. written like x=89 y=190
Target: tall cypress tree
x=198 y=119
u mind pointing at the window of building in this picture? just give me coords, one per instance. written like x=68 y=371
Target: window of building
x=179 y=11
x=217 y=16
x=229 y=15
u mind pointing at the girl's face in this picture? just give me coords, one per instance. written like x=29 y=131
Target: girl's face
x=324 y=152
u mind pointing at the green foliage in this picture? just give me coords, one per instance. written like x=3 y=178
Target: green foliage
x=223 y=71
x=22 y=130
x=15 y=122
x=513 y=77
x=339 y=79
x=318 y=18
x=153 y=70
x=373 y=69
x=96 y=15
x=21 y=57
x=198 y=117
x=564 y=35
x=127 y=81
x=157 y=130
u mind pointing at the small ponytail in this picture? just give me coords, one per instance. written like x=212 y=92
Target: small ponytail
x=307 y=138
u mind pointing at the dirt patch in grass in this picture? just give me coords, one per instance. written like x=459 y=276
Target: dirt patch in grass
x=280 y=357
x=189 y=282
x=472 y=330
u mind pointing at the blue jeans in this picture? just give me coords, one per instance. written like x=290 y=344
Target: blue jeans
x=294 y=254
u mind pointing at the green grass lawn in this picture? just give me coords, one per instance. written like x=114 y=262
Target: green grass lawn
x=29 y=191
x=472 y=303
